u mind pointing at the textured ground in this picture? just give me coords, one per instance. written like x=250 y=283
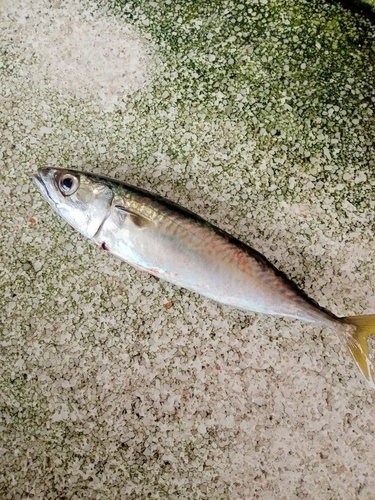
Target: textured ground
x=260 y=117
x=370 y=3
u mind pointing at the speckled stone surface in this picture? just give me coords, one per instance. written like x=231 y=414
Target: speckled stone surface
x=259 y=116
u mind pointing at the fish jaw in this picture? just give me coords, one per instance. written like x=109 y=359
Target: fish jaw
x=86 y=208
x=41 y=184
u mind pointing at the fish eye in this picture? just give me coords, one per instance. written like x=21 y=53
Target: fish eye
x=68 y=184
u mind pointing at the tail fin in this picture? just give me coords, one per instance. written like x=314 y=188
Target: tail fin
x=357 y=344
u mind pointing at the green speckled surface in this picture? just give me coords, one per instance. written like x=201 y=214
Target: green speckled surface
x=258 y=116
x=370 y=3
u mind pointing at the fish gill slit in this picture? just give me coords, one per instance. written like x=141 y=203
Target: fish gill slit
x=103 y=221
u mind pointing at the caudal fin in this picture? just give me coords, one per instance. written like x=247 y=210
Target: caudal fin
x=357 y=344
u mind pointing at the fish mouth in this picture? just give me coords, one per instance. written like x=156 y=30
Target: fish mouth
x=38 y=181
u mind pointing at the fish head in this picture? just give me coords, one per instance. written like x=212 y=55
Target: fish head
x=83 y=200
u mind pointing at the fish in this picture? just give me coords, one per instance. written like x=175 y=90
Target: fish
x=158 y=236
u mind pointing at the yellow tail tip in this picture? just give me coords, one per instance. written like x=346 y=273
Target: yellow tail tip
x=357 y=344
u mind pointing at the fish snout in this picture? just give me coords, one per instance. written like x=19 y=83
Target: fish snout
x=44 y=171
x=42 y=180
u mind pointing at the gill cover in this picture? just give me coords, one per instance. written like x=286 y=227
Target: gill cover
x=83 y=200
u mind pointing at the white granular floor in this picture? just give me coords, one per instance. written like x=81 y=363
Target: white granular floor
x=116 y=385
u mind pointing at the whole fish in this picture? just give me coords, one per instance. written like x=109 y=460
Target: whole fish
x=160 y=237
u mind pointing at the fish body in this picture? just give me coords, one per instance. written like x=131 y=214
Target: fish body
x=155 y=235
x=174 y=244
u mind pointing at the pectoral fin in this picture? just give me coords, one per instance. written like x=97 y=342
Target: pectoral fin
x=138 y=219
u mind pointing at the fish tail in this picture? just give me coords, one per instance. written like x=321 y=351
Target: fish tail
x=357 y=344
